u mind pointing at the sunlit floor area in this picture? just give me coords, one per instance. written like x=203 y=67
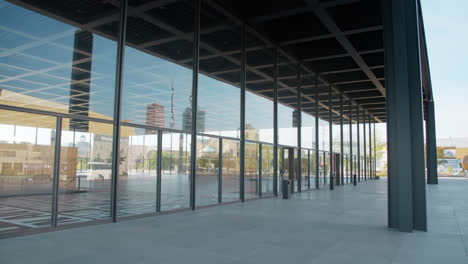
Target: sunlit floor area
x=347 y=225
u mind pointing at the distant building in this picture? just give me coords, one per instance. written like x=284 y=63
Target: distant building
x=154 y=116
x=187 y=119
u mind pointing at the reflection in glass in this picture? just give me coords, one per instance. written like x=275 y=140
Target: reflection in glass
x=207 y=170
x=137 y=171
x=267 y=170
x=230 y=176
x=85 y=172
x=304 y=169
x=175 y=181
x=251 y=183
x=219 y=101
x=26 y=170
x=50 y=65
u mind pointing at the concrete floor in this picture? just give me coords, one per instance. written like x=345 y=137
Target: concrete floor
x=347 y=225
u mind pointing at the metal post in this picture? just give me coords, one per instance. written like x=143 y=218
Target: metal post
x=350 y=159
x=375 y=153
x=308 y=169
x=159 y=171
x=358 y=146
x=341 y=141
x=431 y=146
x=242 y=116
x=220 y=170
x=56 y=175
x=275 y=124
x=330 y=138
x=317 y=155
x=260 y=167
x=299 y=128
x=406 y=194
x=196 y=55
x=364 y=145
x=117 y=108
x=370 y=148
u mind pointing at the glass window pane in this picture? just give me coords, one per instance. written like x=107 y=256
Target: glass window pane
x=219 y=78
x=157 y=88
x=258 y=103
x=231 y=179
x=267 y=169
x=137 y=171
x=51 y=65
x=26 y=170
x=85 y=172
x=207 y=170
x=175 y=181
x=251 y=170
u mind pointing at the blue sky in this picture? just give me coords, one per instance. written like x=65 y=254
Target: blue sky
x=446 y=25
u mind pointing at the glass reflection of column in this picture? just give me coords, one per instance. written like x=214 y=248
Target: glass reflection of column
x=81 y=79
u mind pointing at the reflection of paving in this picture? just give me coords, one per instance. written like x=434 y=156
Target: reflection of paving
x=137 y=195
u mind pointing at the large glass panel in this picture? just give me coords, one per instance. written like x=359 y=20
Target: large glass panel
x=219 y=78
x=85 y=177
x=305 y=169
x=137 y=176
x=267 y=169
x=312 y=169
x=157 y=86
x=26 y=170
x=287 y=131
x=324 y=133
x=251 y=170
x=308 y=131
x=259 y=109
x=207 y=170
x=231 y=179
x=175 y=164
x=50 y=65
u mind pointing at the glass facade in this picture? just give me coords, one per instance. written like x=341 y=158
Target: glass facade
x=96 y=125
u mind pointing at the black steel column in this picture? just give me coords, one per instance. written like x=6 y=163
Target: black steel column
x=370 y=149
x=308 y=169
x=259 y=180
x=117 y=108
x=196 y=55
x=358 y=146
x=364 y=145
x=406 y=174
x=56 y=175
x=242 y=116
x=431 y=144
x=275 y=124
x=317 y=157
x=220 y=171
x=341 y=141
x=159 y=172
x=350 y=159
x=299 y=128
x=330 y=139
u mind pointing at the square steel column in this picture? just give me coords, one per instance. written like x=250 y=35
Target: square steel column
x=364 y=145
x=196 y=62
x=358 y=156
x=317 y=156
x=406 y=172
x=117 y=108
x=351 y=159
x=243 y=82
x=431 y=144
x=341 y=141
x=275 y=124
x=299 y=127
x=330 y=138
